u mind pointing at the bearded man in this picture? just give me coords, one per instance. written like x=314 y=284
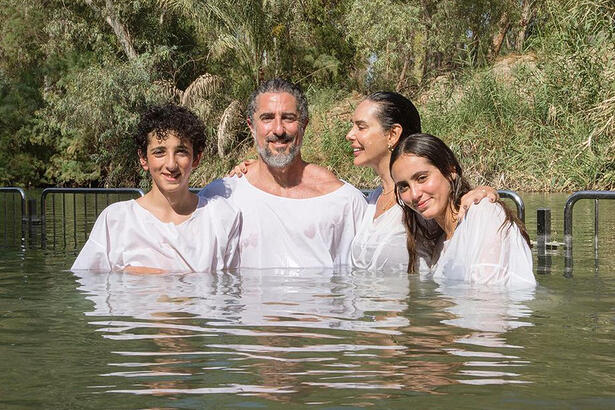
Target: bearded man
x=295 y=214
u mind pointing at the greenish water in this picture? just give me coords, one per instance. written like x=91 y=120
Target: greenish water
x=309 y=338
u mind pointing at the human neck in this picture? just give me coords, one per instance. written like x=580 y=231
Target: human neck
x=169 y=206
x=382 y=170
x=282 y=178
x=448 y=222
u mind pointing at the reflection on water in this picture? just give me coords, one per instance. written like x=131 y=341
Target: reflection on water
x=489 y=313
x=274 y=332
x=296 y=338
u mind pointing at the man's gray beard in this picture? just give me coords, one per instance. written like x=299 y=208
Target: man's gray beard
x=278 y=159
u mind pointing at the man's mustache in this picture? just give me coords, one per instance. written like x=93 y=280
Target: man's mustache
x=279 y=138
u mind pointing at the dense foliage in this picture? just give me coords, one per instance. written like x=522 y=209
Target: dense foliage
x=523 y=89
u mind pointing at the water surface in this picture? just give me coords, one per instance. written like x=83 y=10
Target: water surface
x=320 y=338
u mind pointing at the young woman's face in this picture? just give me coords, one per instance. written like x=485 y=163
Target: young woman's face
x=369 y=141
x=421 y=185
x=169 y=162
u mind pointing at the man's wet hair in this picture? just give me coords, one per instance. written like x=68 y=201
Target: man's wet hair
x=162 y=120
x=279 y=85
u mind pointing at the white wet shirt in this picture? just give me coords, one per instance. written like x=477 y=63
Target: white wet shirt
x=279 y=232
x=126 y=234
x=481 y=253
x=380 y=244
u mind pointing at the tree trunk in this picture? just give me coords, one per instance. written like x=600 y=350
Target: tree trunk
x=527 y=13
x=120 y=30
x=426 y=55
x=498 y=38
x=402 y=76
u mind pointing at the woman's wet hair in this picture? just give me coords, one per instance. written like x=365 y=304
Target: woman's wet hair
x=394 y=108
x=162 y=120
x=439 y=155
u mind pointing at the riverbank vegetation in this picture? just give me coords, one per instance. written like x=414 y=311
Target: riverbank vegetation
x=523 y=90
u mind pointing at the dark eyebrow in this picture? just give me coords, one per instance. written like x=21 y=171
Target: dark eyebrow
x=417 y=174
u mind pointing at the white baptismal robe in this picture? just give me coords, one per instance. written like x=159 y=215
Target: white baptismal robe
x=279 y=232
x=380 y=243
x=482 y=252
x=126 y=234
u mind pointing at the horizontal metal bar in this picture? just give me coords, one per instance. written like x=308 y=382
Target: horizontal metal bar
x=47 y=191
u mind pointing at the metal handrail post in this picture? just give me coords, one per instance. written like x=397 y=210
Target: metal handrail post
x=516 y=198
x=24 y=217
x=568 y=207
x=21 y=193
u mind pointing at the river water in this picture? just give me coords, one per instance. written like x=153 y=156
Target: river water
x=310 y=338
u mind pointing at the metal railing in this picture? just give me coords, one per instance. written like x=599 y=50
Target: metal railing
x=519 y=204
x=570 y=202
x=83 y=217
x=13 y=202
x=54 y=212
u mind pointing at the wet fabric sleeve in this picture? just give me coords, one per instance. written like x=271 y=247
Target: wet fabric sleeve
x=94 y=255
x=232 y=256
x=482 y=251
x=498 y=251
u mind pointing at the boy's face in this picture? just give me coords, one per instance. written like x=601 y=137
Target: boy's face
x=169 y=161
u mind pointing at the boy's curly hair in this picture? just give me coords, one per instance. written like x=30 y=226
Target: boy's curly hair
x=162 y=119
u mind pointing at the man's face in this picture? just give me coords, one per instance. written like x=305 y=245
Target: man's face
x=277 y=129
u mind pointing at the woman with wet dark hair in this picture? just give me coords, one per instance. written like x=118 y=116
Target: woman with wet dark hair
x=170 y=229
x=490 y=246
x=378 y=123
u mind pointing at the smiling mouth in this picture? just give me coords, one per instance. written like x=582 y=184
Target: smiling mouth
x=421 y=205
x=172 y=177
x=281 y=139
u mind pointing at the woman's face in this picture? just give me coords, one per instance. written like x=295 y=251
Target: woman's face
x=367 y=137
x=169 y=162
x=421 y=186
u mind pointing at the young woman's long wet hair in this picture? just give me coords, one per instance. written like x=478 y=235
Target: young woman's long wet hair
x=439 y=155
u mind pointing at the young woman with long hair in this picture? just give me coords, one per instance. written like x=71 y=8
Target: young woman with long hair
x=490 y=246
